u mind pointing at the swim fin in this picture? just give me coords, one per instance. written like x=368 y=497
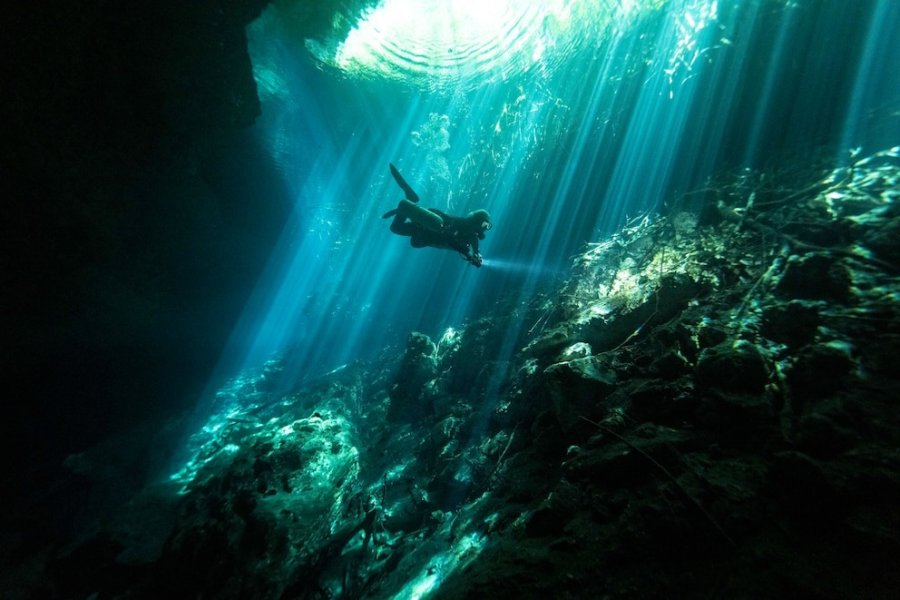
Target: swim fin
x=407 y=191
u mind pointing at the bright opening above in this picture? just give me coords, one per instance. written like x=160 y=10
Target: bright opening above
x=453 y=42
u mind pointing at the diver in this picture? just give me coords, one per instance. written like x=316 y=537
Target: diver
x=436 y=229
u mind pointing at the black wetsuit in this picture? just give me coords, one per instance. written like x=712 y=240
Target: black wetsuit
x=436 y=229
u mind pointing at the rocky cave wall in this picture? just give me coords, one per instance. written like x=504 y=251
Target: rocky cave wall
x=127 y=253
x=706 y=408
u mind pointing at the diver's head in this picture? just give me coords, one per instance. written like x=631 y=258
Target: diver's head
x=481 y=220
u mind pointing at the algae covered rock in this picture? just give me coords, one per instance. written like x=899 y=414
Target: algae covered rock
x=816 y=276
x=738 y=367
x=260 y=512
x=820 y=369
x=793 y=323
x=578 y=387
x=416 y=369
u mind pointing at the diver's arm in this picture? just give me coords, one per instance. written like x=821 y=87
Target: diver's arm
x=475 y=257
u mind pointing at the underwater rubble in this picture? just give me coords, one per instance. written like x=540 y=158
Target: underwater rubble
x=708 y=407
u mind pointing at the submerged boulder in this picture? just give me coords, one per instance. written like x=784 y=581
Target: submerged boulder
x=548 y=344
x=257 y=515
x=733 y=380
x=740 y=367
x=820 y=369
x=417 y=368
x=879 y=229
x=578 y=387
x=793 y=323
x=821 y=276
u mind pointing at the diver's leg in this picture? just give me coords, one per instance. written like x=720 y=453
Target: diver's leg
x=407 y=191
x=401 y=226
x=417 y=241
x=420 y=216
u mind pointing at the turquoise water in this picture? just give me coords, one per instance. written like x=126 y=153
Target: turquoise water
x=675 y=368
x=564 y=120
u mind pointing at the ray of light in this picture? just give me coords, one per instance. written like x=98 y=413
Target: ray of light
x=340 y=285
x=560 y=153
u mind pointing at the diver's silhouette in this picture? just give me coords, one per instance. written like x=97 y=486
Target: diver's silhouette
x=430 y=227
